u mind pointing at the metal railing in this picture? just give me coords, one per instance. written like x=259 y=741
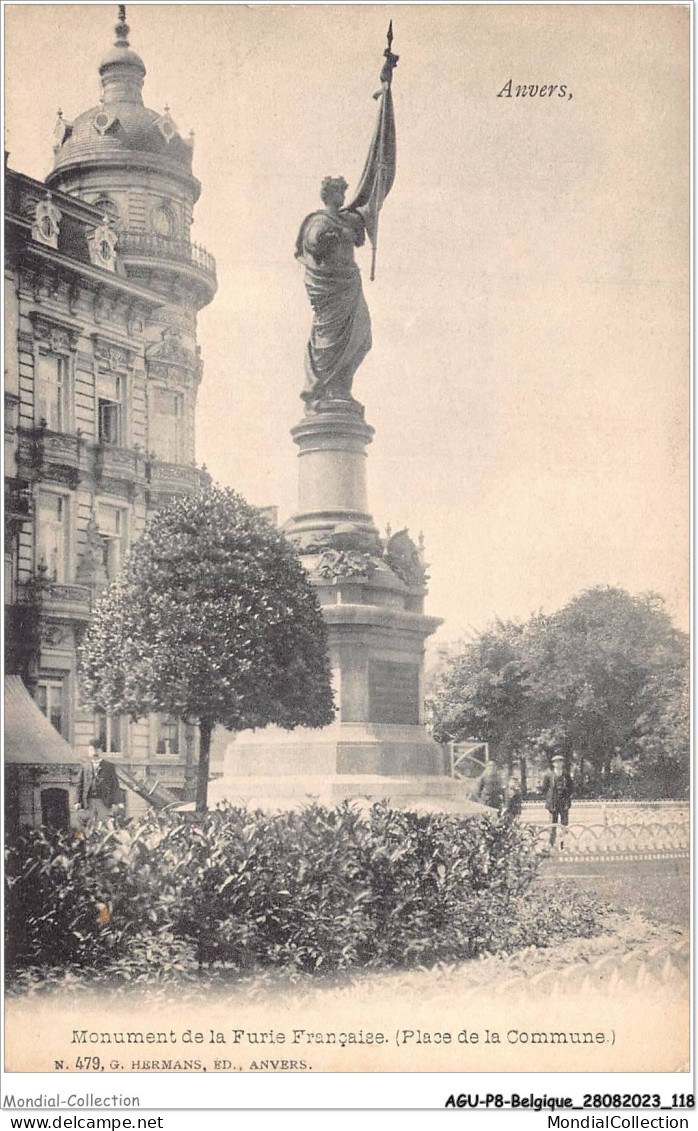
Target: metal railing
x=630 y=840
x=461 y=756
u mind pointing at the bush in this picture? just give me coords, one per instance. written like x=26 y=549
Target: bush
x=60 y=892
x=317 y=890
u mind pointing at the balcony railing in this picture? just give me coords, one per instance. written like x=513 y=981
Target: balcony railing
x=119 y=463
x=59 y=594
x=174 y=478
x=55 y=599
x=152 y=245
x=39 y=446
x=72 y=456
x=60 y=447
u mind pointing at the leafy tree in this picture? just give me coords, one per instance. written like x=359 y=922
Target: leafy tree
x=604 y=677
x=661 y=764
x=214 y=619
x=482 y=695
x=601 y=672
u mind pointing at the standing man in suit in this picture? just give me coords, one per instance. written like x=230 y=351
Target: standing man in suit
x=557 y=794
x=99 y=790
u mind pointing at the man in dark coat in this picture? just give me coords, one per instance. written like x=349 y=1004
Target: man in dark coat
x=557 y=794
x=99 y=790
x=512 y=805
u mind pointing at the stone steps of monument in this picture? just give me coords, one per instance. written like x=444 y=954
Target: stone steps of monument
x=423 y=793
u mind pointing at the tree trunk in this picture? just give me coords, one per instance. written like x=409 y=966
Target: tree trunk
x=205 y=730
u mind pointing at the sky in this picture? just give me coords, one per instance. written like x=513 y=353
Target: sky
x=529 y=378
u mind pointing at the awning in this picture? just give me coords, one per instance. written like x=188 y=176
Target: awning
x=29 y=736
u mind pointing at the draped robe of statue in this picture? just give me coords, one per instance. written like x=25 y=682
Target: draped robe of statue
x=340 y=336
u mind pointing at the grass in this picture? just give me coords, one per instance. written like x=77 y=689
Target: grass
x=658 y=890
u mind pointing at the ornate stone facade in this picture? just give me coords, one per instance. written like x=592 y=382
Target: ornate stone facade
x=103 y=287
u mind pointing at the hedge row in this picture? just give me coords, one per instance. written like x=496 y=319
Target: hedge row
x=321 y=889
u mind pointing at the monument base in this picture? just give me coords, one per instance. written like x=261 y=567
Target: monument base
x=342 y=748
x=371 y=591
x=422 y=793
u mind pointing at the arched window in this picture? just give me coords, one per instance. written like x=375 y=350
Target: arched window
x=164 y=221
x=107 y=208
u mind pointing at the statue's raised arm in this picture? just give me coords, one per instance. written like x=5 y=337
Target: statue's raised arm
x=340 y=336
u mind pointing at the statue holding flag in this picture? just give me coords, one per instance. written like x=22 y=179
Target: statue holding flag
x=340 y=336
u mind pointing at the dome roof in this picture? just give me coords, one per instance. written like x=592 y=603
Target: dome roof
x=121 y=127
x=122 y=53
x=111 y=128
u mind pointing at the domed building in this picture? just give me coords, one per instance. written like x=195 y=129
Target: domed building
x=133 y=165
x=103 y=288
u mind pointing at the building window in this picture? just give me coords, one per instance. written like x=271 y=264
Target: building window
x=168 y=736
x=111 y=732
x=164 y=222
x=112 y=528
x=176 y=739
x=166 y=425
x=107 y=208
x=109 y=408
x=51 y=380
x=49 y=699
x=52 y=536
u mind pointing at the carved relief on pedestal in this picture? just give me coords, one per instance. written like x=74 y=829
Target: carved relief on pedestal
x=406 y=559
x=332 y=565
x=346 y=551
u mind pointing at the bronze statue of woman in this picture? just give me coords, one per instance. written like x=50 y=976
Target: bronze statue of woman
x=340 y=336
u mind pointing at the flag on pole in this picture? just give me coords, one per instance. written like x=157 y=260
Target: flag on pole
x=379 y=171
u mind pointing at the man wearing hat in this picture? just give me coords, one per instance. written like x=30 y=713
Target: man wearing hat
x=99 y=790
x=557 y=794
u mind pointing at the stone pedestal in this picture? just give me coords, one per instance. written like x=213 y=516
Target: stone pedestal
x=372 y=597
x=331 y=476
